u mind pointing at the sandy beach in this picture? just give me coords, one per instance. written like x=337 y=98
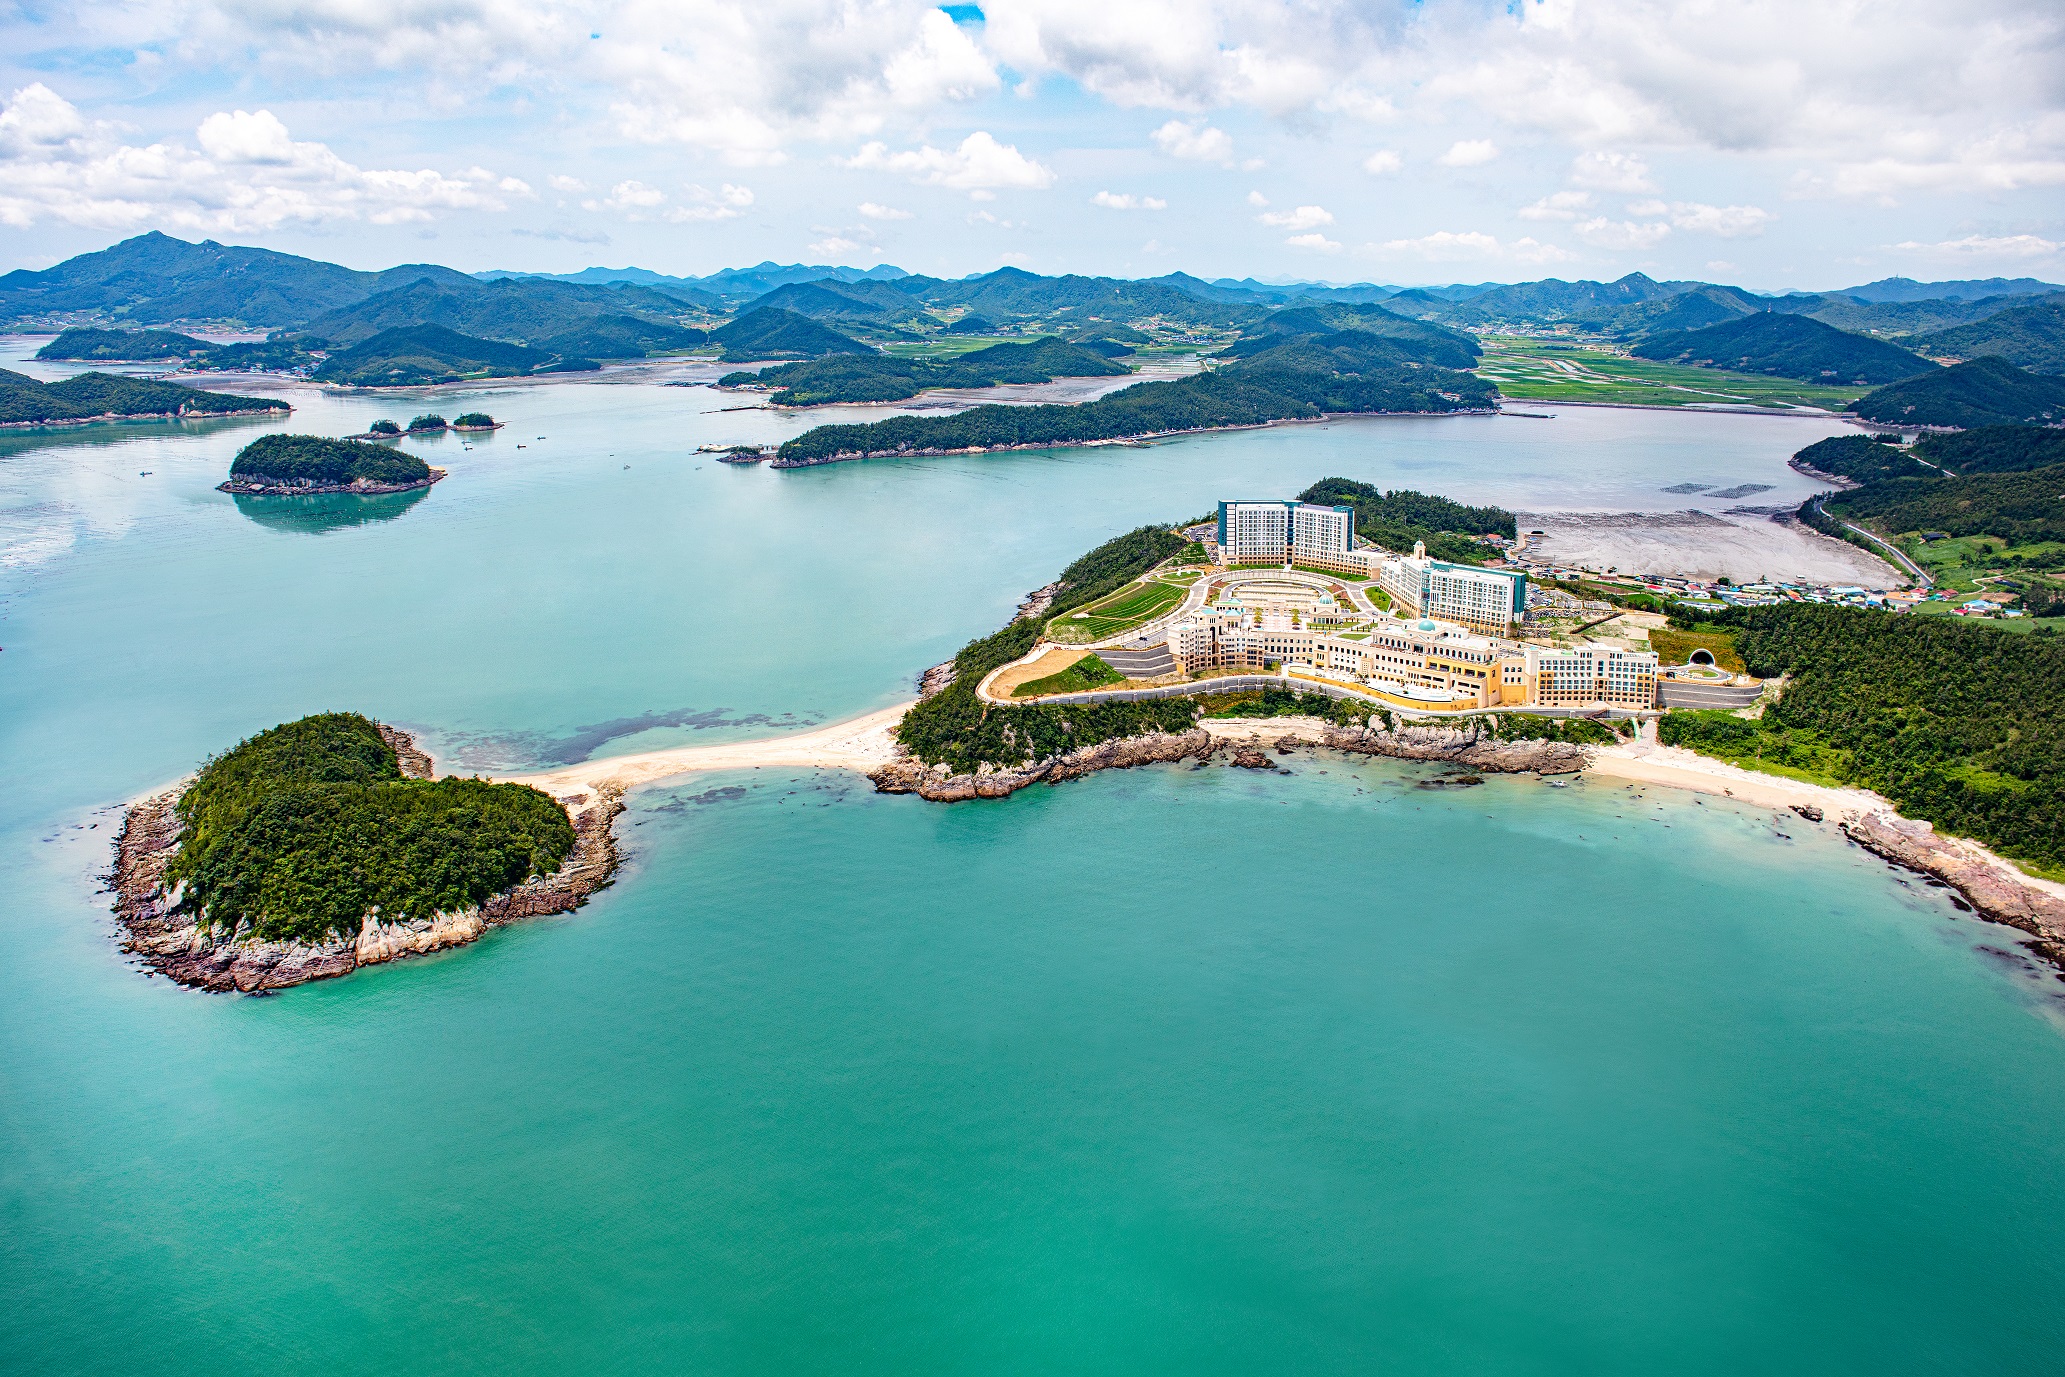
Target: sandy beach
x=859 y=743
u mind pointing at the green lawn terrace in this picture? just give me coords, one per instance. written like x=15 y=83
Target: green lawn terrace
x=1530 y=368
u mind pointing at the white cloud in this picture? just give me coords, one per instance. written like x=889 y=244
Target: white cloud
x=1303 y=218
x=1318 y=242
x=1729 y=222
x=870 y=210
x=1987 y=246
x=1448 y=246
x=1195 y=141
x=832 y=246
x=728 y=202
x=249 y=174
x=1257 y=199
x=1560 y=205
x=1127 y=201
x=979 y=164
x=567 y=184
x=1602 y=233
x=1602 y=170
x=634 y=195
x=1469 y=153
x=1382 y=162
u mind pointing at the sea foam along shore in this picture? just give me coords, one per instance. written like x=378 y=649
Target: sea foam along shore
x=170 y=942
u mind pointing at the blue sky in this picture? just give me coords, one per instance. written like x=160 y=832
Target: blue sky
x=1761 y=142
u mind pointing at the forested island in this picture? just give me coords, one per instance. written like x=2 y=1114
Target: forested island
x=90 y=345
x=322 y=845
x=883 y=378
x=91 y=397
x=1787 y=346
x=298 y=465
x=1300 y=377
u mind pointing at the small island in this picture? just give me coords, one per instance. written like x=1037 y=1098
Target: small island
x=90 y=398
x=299 y=465
x=324 y=844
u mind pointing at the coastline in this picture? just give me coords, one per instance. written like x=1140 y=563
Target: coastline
x=115 y=418
x=360 y=486
x=848 y=456
x=593 y=794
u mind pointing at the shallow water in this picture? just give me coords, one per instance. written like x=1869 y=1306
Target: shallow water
x=1167 y=1070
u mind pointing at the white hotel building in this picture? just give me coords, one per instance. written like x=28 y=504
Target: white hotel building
x=1284 y=533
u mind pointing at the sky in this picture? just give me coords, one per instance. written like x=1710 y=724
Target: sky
x=1772 y=144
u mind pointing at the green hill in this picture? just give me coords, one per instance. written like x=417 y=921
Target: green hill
x=312 y=461
x=1294 y=380
x=1982 y=392
x=267 y=356
x=623 y=337
x=1995 y=449
x=1786 y=346
x=881 y=378
x=110 y=397
x=122 y=346
x=1373 y=331
x=2020 y=508
x=773 y=333
x=155 y=278
x=420 y=354
x=2031 y=336
x=1397 y=519
x=1693 y=310
x=1861 y=459
x=301 y=831
x=1012 y=294
x=521 y=310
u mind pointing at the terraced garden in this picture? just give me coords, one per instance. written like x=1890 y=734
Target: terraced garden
x=1134 y=605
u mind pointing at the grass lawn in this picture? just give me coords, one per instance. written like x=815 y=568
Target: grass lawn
x=1116 y=612
x=1557 y=371
x=1962 y=560
x=1674 y=647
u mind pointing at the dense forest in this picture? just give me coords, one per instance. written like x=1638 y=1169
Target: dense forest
x=1786 y=346
x=301 y=831
x=315 y=461
x=1295 y=379
x=1958 y=724
x=1861 y=459
x=122 y=346
x=773 y=333
x=881 y=378
x=109 y=396
x=957 y=729
x=2020 y=508
x=1378 y=333
x=1995 y=449
x=2031 y=336
x=1395 y=520
x=1981 y=392
x=419 y=354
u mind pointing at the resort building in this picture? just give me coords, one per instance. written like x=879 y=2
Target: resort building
x=1490 y=601
x=1287 y=621
x=1283 y=532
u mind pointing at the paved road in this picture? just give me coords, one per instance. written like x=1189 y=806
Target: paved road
x=1673 y=694
x=1921 y=575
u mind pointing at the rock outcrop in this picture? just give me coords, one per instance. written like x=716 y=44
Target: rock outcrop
x=1446 y=744
x=1991 y=888
x=172 y=941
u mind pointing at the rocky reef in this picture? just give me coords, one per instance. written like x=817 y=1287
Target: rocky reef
x=170 y=940
x=1432 y=743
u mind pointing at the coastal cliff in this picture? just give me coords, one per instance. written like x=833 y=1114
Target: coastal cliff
x=1448 y=745
x=171 y=940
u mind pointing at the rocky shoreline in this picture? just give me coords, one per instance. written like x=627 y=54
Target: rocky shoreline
x=1447 y=745
x=364 y=487
x=171 y=943
x=1992 y=891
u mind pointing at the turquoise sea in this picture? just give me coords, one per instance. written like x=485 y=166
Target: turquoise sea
x=1174 y=1070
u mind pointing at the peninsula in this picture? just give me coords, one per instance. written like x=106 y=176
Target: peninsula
x=90 y=398
x=298 y=465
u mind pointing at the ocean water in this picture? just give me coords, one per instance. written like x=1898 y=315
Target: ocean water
x=1169 y=1070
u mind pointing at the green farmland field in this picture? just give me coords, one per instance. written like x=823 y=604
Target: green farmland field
x=1557 y=371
